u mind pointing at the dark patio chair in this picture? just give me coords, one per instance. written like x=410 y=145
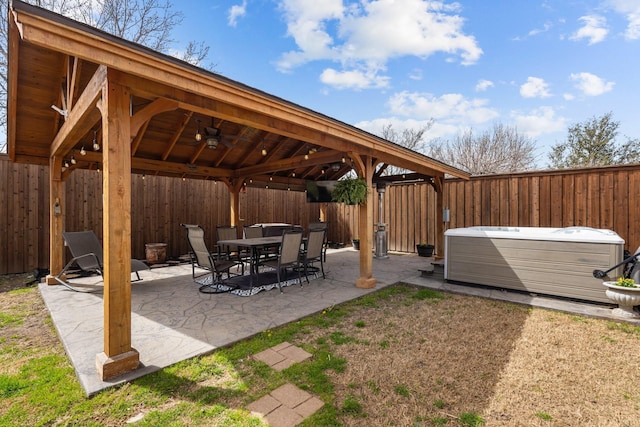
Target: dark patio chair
x=203 y=259
x=87 y=255
x=251 y=231
x=325 y=244
x=313 y=252
x=231 y=252
x=288 y=256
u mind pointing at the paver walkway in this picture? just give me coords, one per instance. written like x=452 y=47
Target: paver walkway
x=288 y=405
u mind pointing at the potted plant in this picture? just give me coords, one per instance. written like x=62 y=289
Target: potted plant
x=351 y=191
x=425 y=249
x=626 y=293
x=356 y=243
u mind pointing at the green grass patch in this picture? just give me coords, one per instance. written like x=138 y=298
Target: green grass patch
x=339 y=338
x=544 y=416
x=470 y=419
x=10 y=319
x=624 y=327
x=402 y=390
x=439 y=404
x=352 y=407
x=428 y=294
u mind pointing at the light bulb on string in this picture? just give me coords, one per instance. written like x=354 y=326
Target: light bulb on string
x=96 y=146
x=198 y=134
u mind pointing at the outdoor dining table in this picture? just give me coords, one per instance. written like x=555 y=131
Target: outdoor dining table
x=254 y=245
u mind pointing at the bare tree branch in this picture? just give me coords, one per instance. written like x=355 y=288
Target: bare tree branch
x=500 y=150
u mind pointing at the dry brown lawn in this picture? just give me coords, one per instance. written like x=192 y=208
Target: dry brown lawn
x=510 y=364
x=429 y=361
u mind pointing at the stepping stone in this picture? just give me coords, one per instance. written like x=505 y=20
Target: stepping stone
x=286 y=406
x=282 y=356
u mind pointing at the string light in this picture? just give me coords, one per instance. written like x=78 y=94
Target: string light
x=198 y=134
x=264 y=150
x=73 y=159
x=83 y=151
x=96 y=146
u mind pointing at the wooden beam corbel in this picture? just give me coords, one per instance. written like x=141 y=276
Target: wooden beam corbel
x=82 y=117
x=157 y=106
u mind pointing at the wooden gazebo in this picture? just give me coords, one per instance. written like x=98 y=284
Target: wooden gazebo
x=81 y=98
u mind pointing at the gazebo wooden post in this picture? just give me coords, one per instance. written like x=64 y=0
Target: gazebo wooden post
x=366 y=168
x=323 y=212
x=56 y=218
x=438 y=184
x=234 y=201
x=118 y=356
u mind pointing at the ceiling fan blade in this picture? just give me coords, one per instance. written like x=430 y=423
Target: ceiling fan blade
x=227 y=143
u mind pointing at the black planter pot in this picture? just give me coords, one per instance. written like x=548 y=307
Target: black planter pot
x=425 y=250
x=356 y=244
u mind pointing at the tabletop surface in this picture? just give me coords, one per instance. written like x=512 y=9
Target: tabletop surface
x=255 y=241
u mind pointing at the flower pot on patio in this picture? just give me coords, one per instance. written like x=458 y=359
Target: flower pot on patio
x=425 y=250
x=156 y=253
x=356 y=244
x=625 y=297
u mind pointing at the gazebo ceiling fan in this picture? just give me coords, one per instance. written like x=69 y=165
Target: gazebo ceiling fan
x=213 y=137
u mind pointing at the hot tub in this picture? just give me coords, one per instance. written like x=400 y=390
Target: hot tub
x=551 y=261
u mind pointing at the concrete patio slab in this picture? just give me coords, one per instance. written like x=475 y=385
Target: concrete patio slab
x=171 y=321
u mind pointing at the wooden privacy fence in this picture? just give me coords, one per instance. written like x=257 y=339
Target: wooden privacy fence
x=599 y=198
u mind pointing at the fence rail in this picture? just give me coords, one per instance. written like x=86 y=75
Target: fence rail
x=598 y=197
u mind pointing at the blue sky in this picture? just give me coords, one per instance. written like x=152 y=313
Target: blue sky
x=537 y=65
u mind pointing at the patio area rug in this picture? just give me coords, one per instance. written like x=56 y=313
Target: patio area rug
x=241 y=285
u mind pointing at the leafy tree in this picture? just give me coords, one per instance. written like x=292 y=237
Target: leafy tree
x=593 y=143
x=499 y=150
x=147 y=22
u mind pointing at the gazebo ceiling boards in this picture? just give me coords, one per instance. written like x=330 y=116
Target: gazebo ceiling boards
x=58 y=62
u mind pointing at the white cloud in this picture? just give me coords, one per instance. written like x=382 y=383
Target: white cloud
x=483 y=85
x=416 y=74
x=540 y=121
x=450 y=106
x=547 y=26
x=631 y=10
x=368 y=34
x=594 y=29
x=535 y=87
x=235 y=12
x=353 y=79
x=568 y=97
x=590 y=84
